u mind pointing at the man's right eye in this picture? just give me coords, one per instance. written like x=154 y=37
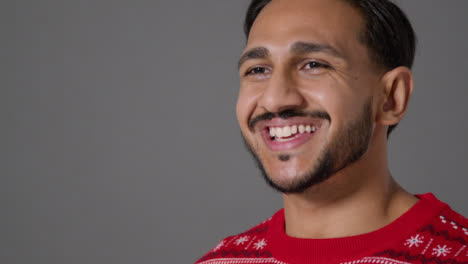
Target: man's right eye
x=257 y=70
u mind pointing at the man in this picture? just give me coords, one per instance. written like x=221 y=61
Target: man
x=323 y=83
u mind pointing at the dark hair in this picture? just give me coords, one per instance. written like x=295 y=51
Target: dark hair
x=388 y=35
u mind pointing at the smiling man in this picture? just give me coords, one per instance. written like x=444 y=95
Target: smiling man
x=323 y=84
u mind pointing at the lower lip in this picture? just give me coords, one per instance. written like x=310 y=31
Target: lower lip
x=295 y=142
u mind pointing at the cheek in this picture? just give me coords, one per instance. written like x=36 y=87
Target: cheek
x=246 y=105
x=336 y=97
x=241 y=107
x=325 y=95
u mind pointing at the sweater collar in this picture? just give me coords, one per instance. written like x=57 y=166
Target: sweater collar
x=298 y=250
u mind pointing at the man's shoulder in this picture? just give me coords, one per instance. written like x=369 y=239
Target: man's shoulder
x=450 y=225
x=250 y=244
x=441 y=239
x=455 y=217
x=453 y=227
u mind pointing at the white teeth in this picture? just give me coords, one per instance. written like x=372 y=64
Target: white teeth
x=294 y=129
x=282 y=132
x=301 y=129
x=286 y=131
x=272 y=132
x=279 y=132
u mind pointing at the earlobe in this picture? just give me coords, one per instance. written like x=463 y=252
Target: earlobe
x=398 y=86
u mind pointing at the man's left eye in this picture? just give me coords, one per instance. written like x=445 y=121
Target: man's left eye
x=314 y=65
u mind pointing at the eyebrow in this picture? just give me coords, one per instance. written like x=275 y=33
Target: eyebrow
x=297 y=48
x=255 y=53
x=309 y=47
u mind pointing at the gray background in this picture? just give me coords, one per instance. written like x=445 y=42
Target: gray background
x=119 y=137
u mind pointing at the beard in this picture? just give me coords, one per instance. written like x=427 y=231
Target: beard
x=347 y=147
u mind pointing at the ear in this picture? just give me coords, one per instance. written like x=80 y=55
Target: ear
x=398 y=86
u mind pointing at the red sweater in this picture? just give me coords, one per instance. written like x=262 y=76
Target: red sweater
x=430 y=232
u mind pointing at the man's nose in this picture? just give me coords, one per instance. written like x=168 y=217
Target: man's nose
x=281 y=93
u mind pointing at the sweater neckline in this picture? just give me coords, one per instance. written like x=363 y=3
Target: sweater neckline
x=299 y=250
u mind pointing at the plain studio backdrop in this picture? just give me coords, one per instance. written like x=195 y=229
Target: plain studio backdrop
x=119 y=137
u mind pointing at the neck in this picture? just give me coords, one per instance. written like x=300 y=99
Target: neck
x=360 y=198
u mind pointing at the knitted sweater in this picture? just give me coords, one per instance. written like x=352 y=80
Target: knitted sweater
x=430 y=232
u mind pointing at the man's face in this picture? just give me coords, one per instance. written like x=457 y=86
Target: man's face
x=305 y=104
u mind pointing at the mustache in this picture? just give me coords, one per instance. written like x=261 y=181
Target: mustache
x=288 y=113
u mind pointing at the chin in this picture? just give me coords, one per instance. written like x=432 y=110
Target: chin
x=299 y=174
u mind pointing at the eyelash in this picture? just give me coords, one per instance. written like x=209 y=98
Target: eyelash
x=316 y=64
x=252 y=70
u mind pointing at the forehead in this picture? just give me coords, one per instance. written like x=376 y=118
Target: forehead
x=284 y=22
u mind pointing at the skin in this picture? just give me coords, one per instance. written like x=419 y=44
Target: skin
x=361 y=197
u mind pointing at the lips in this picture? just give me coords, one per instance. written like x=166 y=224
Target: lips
x=287 y=134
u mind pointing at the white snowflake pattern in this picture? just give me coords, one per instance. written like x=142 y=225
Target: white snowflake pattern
x=241 y=240
x=441 y=250
x=442 y=219
x=220 y=244
x=454 y=225
x=260 y=244
x=414 y=241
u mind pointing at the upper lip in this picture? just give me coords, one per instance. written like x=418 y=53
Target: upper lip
x=280 y=122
